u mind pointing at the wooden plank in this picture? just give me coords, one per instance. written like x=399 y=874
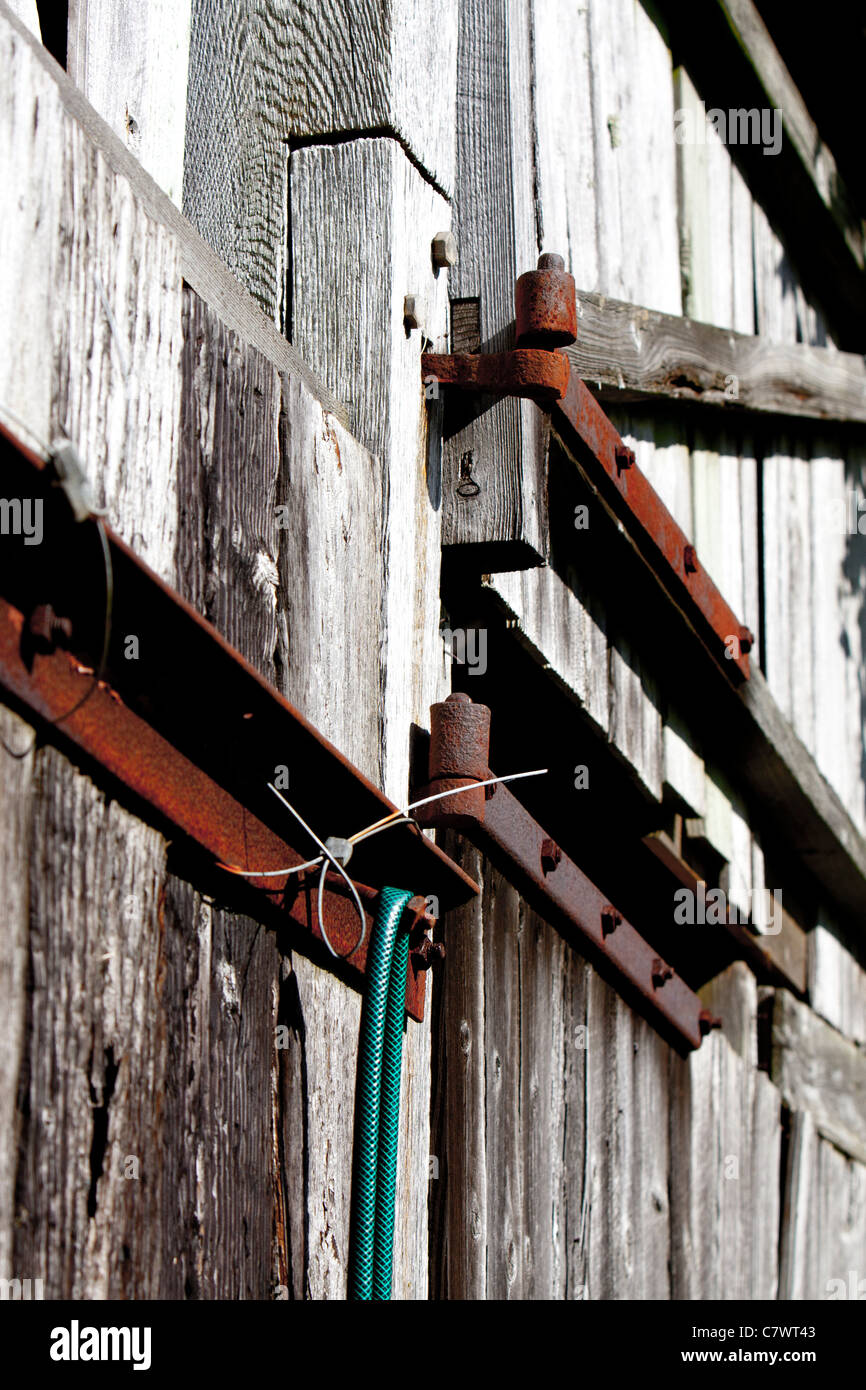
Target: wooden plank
x=823 y=1245
x=818 y=1070
x=557 y=620
x=799 y=129
x=131 y=64
x=16 y=809
x=546 y=1033
x=265 y=77
x=506 y=1235
x=460 y=1175
x=725 y=1144
x=628 y=353
x=836 y=640
x=28 y=13
x=40 y=87
x=822 y=234
x=503 y=445
x=627 y=1152
x=733 y=997
x=363 y=218
x=635 y=157
x=837 y=979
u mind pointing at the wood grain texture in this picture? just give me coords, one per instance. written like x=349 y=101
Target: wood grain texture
x=635 y=157
x=818 y=1070
x=629 y=353
x=725 y=1154
x=459 y=1204
x=363 y=218
x=38 y=79
x=131 y=64
x=715 y=209
x=291 y=73
x=837 y=979
x=627 y=1153
x=266 y=74
x=15 y=841
x=823 y=1246
x=501 y=443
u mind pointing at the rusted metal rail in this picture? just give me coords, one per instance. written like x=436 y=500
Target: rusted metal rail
x=546 y=320
x=193 y=732
x=494 y=819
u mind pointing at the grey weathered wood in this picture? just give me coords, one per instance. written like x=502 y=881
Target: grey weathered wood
x=503 y=444
x=460 y=1176
x=837 y=979
x=362 y=221
x=627 y=1152
x=823 y=1244
x=15 y=840
x=130 y=61
x=37 y=76
x=725 y=1145
x=732 y=997
x=348 y=199
x=264 y=76
x=836 y=640
x=629 y=353
x=27 y=12
x=818 y=1070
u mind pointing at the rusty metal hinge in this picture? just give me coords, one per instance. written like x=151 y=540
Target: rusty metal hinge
x=546 y=322
x=494 y=820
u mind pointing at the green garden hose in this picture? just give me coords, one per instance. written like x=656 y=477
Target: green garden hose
x=380 y=1057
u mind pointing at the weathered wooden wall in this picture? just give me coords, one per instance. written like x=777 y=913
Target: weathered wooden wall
x=243 y=1149
x=317 y=150
x=673 y=228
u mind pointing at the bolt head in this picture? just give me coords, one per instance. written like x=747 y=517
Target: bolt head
x=444 y=250
x=413 y=316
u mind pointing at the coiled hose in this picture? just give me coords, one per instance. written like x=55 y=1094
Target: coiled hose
x=377 y=1115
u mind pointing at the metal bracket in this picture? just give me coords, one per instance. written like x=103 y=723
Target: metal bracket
x=193 y=733
x=546 y=321
x=493 y=819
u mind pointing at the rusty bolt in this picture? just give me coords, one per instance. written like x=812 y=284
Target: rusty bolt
x=444 y=250
x=690 y=560
x=551 y=855
x=660 y=972
x=47 y=630
x=428 y=953
x=707 y=1022
x=747 y=639
x=624 y=457
x=610 y=920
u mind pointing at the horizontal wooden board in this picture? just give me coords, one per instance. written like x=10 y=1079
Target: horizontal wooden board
x=626 y=353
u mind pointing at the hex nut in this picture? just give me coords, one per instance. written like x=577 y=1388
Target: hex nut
x=444 y=250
